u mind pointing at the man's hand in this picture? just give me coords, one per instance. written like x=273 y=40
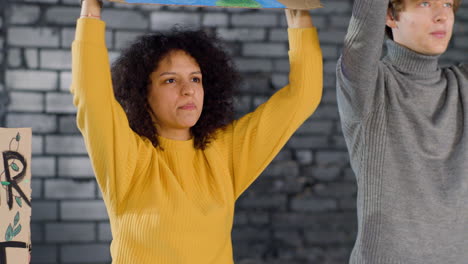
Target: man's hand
x=298 y=18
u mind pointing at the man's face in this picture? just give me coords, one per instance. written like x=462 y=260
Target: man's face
x=424 y=26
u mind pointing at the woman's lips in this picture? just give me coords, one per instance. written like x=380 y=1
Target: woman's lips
x=439 y=34
x=189 y=107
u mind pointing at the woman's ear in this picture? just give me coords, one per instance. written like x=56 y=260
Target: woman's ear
x=391 y=20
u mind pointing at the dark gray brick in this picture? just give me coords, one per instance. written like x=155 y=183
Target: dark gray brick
x=67 y=124
x=332 y=36
x=243 y=104
x=279 y=80
x=277 y=202
x=37 y=233
x=83 y=210
x=243 y=34
x=240 y=219
x=62 y=15
x=330 y=52
x=123 y=39
x=68 y=189
x=323 y=174
x=265 y=50
x=313 y=204
x=340 y=22
x=289 y=237
x=41 y=1
x=31 y=58
x=281 y=65
x=90 y=253
x=338 y=190
x=31 y=80
x=65 y=81
x=316 y=127
x=40 y=123
x=255 y=83
x=69 y=232
x=104 y=232
x=55 y=145
x=36 y=187
x=258 y=100
x=59 y=103
x=326 y=158
x=254 y=20
x=254 y=65
x=76 y=167
x=44 y=211
x=249 y=233
x=43 y=166
x=326 y=237
x=44 y=254
x=55 y=59
x=37 y=145
x=461 y=42
x=33 y=37
x=26 y=102
x=259 y=219
x=14 y=57
x=124 y=19
x=24 y=14
x=278 y=35
x=304 y=157
x=326 y=112
x=215 y=19
x=281 y=169
x=306 y=142
x=166 y=20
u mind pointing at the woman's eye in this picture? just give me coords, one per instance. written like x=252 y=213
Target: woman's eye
x=449 y=5
x=196 y=80
x=169 y=81
x=424 y=4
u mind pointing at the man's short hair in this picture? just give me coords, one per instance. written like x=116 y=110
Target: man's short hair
x=396 y=6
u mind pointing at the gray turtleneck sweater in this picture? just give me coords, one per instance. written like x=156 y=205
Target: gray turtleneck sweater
x=405 y=121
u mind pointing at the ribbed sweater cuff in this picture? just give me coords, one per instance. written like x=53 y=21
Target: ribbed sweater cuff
x=90 y=30
x=302 y=36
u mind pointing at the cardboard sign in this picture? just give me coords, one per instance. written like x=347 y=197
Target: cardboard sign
x=15 y=195
x=292 y=4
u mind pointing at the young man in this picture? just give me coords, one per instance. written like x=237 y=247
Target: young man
x=405 y=121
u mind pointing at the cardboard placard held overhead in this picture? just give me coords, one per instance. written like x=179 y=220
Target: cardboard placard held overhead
x=15 y=195
x=292 y=4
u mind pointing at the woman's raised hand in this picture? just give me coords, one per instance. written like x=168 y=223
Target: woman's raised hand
x=91 y=8
x=298 y=18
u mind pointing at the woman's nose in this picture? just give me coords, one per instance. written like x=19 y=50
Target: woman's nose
x=187 y=89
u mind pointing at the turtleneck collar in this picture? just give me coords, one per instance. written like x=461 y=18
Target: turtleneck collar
x=177 y=145
x=409 y=61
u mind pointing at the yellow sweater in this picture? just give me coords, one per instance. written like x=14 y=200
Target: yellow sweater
x=176 y=206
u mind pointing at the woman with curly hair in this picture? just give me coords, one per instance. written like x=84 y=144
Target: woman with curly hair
x=168 y=157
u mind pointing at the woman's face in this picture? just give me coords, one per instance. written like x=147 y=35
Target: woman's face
x=176 y=95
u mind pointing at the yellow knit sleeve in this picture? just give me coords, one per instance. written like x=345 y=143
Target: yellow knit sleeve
x=113 y=147
x=259 y=136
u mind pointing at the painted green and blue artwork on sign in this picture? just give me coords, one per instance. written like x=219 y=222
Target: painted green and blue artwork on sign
x=297 y=4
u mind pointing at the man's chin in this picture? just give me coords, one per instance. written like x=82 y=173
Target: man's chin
x=431 y=50
x=436 y=51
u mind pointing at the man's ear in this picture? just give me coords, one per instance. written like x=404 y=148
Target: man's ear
x=391 y=20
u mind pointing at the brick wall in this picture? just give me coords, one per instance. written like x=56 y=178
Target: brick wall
x=3 y=95
x=302 y=209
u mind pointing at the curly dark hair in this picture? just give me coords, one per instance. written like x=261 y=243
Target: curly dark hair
x=131 y=79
